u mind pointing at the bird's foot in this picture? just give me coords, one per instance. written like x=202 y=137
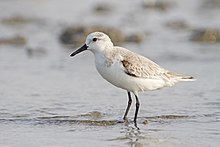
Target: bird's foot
x=135 y=124
x=126 y=121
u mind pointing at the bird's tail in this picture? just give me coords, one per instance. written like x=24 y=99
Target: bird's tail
x=180 y=77
x=187 y=78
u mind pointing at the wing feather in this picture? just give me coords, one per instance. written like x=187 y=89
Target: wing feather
x=138 y=66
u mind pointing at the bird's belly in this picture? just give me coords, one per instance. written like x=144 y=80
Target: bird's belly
x=119 y=78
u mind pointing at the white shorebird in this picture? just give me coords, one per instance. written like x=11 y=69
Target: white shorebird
x=128 y=70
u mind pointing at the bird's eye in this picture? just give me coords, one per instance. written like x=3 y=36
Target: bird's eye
x=94 y=39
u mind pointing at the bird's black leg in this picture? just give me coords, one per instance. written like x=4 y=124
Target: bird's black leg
x=128 y=106
x=136 y=111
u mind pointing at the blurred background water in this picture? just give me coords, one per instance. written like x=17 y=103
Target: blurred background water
x=50 y=99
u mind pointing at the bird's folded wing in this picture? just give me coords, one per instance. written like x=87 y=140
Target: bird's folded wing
x=147 y=70
x=138 y=66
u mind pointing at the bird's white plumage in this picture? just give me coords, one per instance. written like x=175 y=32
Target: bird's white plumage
x=128 y=70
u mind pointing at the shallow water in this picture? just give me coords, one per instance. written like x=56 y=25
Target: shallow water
x=50 y=99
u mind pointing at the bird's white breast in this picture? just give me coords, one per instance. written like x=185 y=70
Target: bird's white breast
x=110 y=70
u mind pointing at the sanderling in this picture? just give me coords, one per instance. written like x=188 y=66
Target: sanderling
x=128 y=70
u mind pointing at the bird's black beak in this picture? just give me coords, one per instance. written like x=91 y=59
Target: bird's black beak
x=83 y=48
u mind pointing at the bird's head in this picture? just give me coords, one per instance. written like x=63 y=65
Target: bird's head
x=95 y=42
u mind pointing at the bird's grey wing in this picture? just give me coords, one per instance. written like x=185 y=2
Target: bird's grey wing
x=142 y=70
x=138 y=66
